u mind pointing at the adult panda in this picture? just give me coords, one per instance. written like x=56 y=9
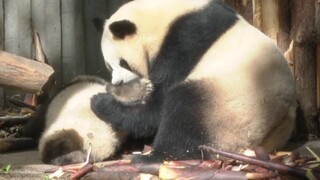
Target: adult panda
x=217 y=79
x=71 y=126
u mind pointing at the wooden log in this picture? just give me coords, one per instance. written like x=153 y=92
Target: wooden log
x=24 y=74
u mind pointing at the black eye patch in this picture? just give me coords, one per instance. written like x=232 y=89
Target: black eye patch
x=123 y=63
x=121 y=29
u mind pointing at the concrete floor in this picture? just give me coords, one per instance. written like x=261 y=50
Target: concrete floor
x=20 y=158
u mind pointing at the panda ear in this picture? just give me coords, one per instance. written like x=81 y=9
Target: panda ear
x=121 y=29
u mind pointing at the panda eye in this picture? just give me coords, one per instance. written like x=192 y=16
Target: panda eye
x=124 y=64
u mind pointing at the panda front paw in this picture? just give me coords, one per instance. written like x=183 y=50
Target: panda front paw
x=146 y=88
x=133 y=93
x=101 y=105
x=154 y=157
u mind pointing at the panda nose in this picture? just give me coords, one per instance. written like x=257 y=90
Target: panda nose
x=121 y=75
x=120 y=83
x=117 y=82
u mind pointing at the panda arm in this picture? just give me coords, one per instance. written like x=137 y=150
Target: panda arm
x=140 y=120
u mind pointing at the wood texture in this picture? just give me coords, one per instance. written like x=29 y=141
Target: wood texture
x=317 y=29
x=302 y=32
x=265 y=17
x=1 y=47
x=283 y=39
x=46 y=19
x=243 y=7
x=73 y=53
x=18 y=38
x=94 y=60
x=24 y=74
x=318 y=75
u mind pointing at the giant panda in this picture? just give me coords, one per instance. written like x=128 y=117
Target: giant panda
x=71 y=127
x=217 y=79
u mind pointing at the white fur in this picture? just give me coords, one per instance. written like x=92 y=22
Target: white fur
x=70 y=109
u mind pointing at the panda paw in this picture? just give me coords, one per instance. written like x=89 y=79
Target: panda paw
x=153 y=157
x=70 y=158
x=147 y=88
x=101 y=105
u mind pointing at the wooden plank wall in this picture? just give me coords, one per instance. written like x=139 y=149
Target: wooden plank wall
x=69 y=38
x=1 y=44
x=46 y=20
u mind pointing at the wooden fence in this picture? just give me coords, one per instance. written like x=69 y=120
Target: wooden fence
x=69 y=37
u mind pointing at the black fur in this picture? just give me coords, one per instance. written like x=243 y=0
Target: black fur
x=173 y=104
x=57 y=149
x=181 y=112
x=138 y=120
x=121 y=29
x=187 y=40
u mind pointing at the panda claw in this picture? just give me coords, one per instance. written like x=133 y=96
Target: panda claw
x=147 y=88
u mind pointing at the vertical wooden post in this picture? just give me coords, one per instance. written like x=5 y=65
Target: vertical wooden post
x=318 y=75
x=49 y=29
x=94 y=59
x=1 y=46
x=73 y=54
x=304 y=50
x=266 y=17
x=317 y=29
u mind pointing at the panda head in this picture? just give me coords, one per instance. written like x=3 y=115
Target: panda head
x=134 y=34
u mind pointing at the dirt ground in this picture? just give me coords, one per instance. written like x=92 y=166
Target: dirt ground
x=24 y=165
x=20 y=158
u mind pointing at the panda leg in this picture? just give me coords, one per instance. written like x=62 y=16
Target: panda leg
x=141 y=121
x=181 y=131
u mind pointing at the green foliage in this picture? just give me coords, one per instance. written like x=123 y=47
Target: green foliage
x=6 y=170
x=46 y=177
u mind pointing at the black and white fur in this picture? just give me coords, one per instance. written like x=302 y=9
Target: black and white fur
x=71 y=126
x=217 y=79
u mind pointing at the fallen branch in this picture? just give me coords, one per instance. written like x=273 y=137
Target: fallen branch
x=82 y=171
x=24 y=74
x=284 y=169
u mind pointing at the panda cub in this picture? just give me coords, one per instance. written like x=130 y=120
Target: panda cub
x=71 y=126
x=217 y=79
